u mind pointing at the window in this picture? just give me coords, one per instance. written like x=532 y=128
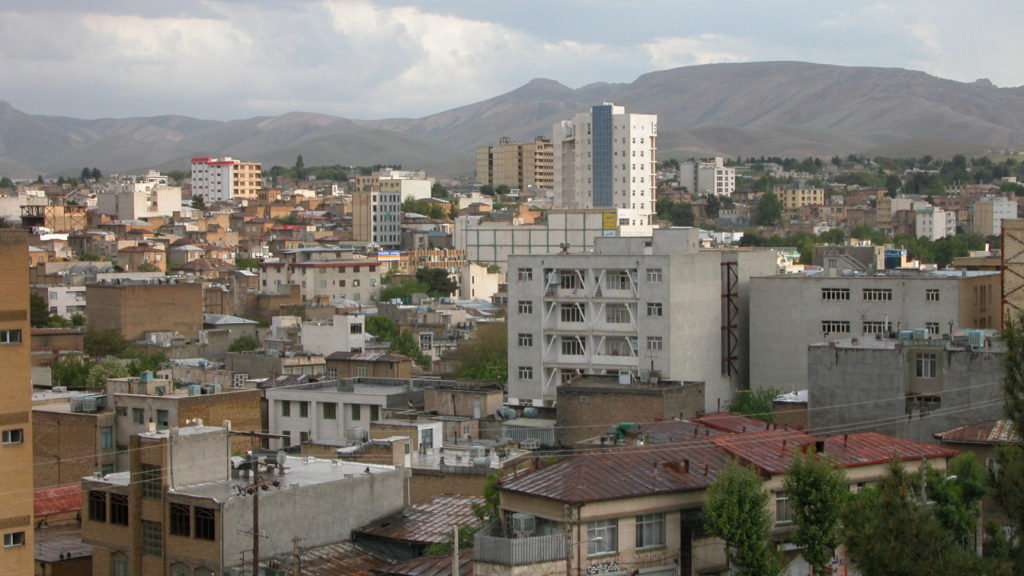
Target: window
x=654 y=308
x=119 y=564
x=650 y=530
x=426 y=341
x=602 y=537
x=181 y=518
x=654 y=342
x=618 y=280
x=835 y=293
x=12 y=539
x=304 y=407
x=149 y=478
x=107 y=438
x=10 y=336
x=525 y=274
x=427 y=438
x=330 y=411
x=97 y=506
x=933 y=327
x=138 y=416
x=526 y=307
x=12 y=436
x=152 y=539
x=179 y=569
x=617 y=314
x=835 y=327
x=931 y=295
x=355 y=329
x=926 y=362
x=572 y=346
x=161 y=418
x=654 y=274
x=570 y=280
x=303 y=437
x=286 y=409
x=355 y=283
x=571 y=313
x=526 y=372
x=119 y=509
x=783 y=509
x=525 y=340
x=877 y=295
x=872 y=327
x=362 y=371
x=356 y=412
x=205 y=526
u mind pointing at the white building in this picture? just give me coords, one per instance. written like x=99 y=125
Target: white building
x=605 y=158
x=220 y=179
x=66 y=301
x=987 y=215
x=632 y=306
x=342 y=333
x=934 y=223
x=323 y=274
x=477 y=282
x=708 y=177
x=135 y=200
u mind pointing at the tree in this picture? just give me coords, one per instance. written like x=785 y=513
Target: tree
x=6 y=182
x=247 y=263
x=768 y=211
x=86 y=173
x=735 y=510
x=147 y=267
x=485 y=355
x=406 y=345
x=198 y=202
x=243 y=344
x=956 y=493
x=817 y=490
x=300 y=167
x=438 y=190
x=78 y=320
x=403 y=290
x=95 y=173
x=755 y=403
x=382 y=327
x=502 y=190
x=713 y=206
x=108 y=342
x=438 y=282
x=146 y=362
x=70 y=371
x=39 y=313
x=487 y=190
x=104 y=370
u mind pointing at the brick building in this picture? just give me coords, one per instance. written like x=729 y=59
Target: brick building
x=136 y=308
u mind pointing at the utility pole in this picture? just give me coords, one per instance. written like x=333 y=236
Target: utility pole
x=253 y=489
x=297 y=571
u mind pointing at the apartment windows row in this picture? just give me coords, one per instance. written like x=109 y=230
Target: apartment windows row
x=571 y=279
x=10 y=336
x=108 y=508
x=328 y=410
x=193 y=521
x=873 y=294
x=603 y=535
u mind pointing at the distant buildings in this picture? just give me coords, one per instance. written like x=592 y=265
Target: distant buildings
x=148 y=197
x=708 y=177
x=323 y=275
x=517 y=165
x=221 y=179
x=377 y=205
x=140 y=308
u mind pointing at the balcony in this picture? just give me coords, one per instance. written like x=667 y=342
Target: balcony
x=518 y=551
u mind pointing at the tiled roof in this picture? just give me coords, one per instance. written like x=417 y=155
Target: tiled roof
x=57 y=500
x=997 y=432
x=432 y=566
x=873 y=448
x=426 y=523
x=769 y=450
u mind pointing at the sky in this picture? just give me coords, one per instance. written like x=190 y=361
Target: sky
x=231 y=59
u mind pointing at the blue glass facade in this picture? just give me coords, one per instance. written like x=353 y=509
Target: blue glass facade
x=601 y=150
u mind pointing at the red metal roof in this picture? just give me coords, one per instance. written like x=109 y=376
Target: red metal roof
x=426 y=523
x=333 y=559
x=770 y=450
x=432 y=566
x=867 y=448
x=57 y=500
x=735 y=423
x=996 y=432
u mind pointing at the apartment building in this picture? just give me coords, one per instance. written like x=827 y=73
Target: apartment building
x=789 y=313
x=710 y=176
x=168 y=515
x=138 y=308
x=221 y=179
x=638 y=308
x=606 y=158
x=934 y=223
x=323 y=275
x=518 y=165
x=18 y=551
x=73 y=437
x=796 y=198
x=377 y=205
x=986 y=215
x=136 y=200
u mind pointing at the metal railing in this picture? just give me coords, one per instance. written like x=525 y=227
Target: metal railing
x=518 y=551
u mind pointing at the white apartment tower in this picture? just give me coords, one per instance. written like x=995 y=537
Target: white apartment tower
x=708 y=177
x=220 y=179
x=605 y=158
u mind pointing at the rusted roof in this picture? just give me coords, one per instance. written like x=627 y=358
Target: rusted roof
x=432 y=566
x=57 y=500
x=625 y=472
x=333 y=559
x=367 y=357
x=674 y=430
x=426 y=523
x=735 y=423
x=996 y=432
x=867 y=448
x=770 y=450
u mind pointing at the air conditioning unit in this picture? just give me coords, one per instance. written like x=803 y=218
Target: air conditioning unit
x=524 y=524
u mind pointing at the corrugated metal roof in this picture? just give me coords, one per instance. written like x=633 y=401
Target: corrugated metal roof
x=432 y=566
x=675 y=430
x=770 y=450
x=736 y=423
x=367 y=356
x=426 y=523
x=998 y=432
x=48 y=501
x=333 y=559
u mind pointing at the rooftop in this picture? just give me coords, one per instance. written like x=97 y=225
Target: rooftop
x=426 y=523
x=992 y=432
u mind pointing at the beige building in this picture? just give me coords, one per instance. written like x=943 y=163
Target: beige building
x=139 y=308
x=220 y=179
x=323 y=275
x=517 y=165
x=18 y=549
x=793 y=198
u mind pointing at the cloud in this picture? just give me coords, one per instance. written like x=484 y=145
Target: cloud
x=695 y=50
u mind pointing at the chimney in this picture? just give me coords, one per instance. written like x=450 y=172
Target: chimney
x=819 y=446
x=845 y=437
x=686 y=465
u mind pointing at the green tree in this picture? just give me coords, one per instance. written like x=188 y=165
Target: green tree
x=95 y=173
x=713 y=206
x=108 y=342
x=146 y=362
x=485 y=355
x=403 y=290
x=71 y=371
x=198 y=202
x=406 y=345
x=487 y=190
x=438 y=190
x=86 y=173
x=735 y=510
x=502 y=190
x=107 y=368
x=247 y=263
x=39 y=313
x=755 y=403
x=6 y=182
x=445 y=546
x=817 y=490
x=382 y=327
x=437 y=281
x=956 y=493
x=78 y=320
x=243 y=344
x=300 y=167
x=768 y=211
x=147 y=267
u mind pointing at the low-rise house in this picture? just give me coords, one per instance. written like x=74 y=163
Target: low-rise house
x=344 y=365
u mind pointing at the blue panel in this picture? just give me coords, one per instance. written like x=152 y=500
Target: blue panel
x=602 y=154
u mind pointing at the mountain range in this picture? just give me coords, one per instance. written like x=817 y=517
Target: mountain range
x=764 y=108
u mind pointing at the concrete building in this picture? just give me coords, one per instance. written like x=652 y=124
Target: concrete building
x=478 y=282
x=18 y=549
x=493 y=242
x=638 y=308
x=708 y=177
x=140 y=308
x=221 y=179
x=340 y=333
x=137 y=200
x=911 y=387
x=323 y=275
x=517 y=165
x=169 y=516
x=64 y=301
x=934 y=223
x=375 y=364
x=986 y=215
x=795 y=198
x=377 y=205
x=606 y=158
x=789 y=313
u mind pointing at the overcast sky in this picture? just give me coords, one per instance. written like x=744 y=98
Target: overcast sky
x=375 y=59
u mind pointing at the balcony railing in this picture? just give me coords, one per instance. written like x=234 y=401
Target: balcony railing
x=518 y=551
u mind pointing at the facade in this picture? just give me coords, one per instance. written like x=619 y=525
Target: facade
x=606 y=158
x=794 y=198
x=139 y=200
x=323 y=275
x=986 y=215
x=789 y=313
x=65 y=301
x=377 y=205
x=637 y=308
x=168 y=516
x=477 y=282
x=341 y=333
x=18 y=551
x=934 y=223
x=517 y=165
x=221 y=179
x=708 y=177
x=375 y=364
x=138 y=308
x=72 y=439
x=909 y=387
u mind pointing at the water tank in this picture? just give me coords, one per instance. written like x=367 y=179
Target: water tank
x=481 y=462
x=146 y=376
x=195 y=390
x=530 y=412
